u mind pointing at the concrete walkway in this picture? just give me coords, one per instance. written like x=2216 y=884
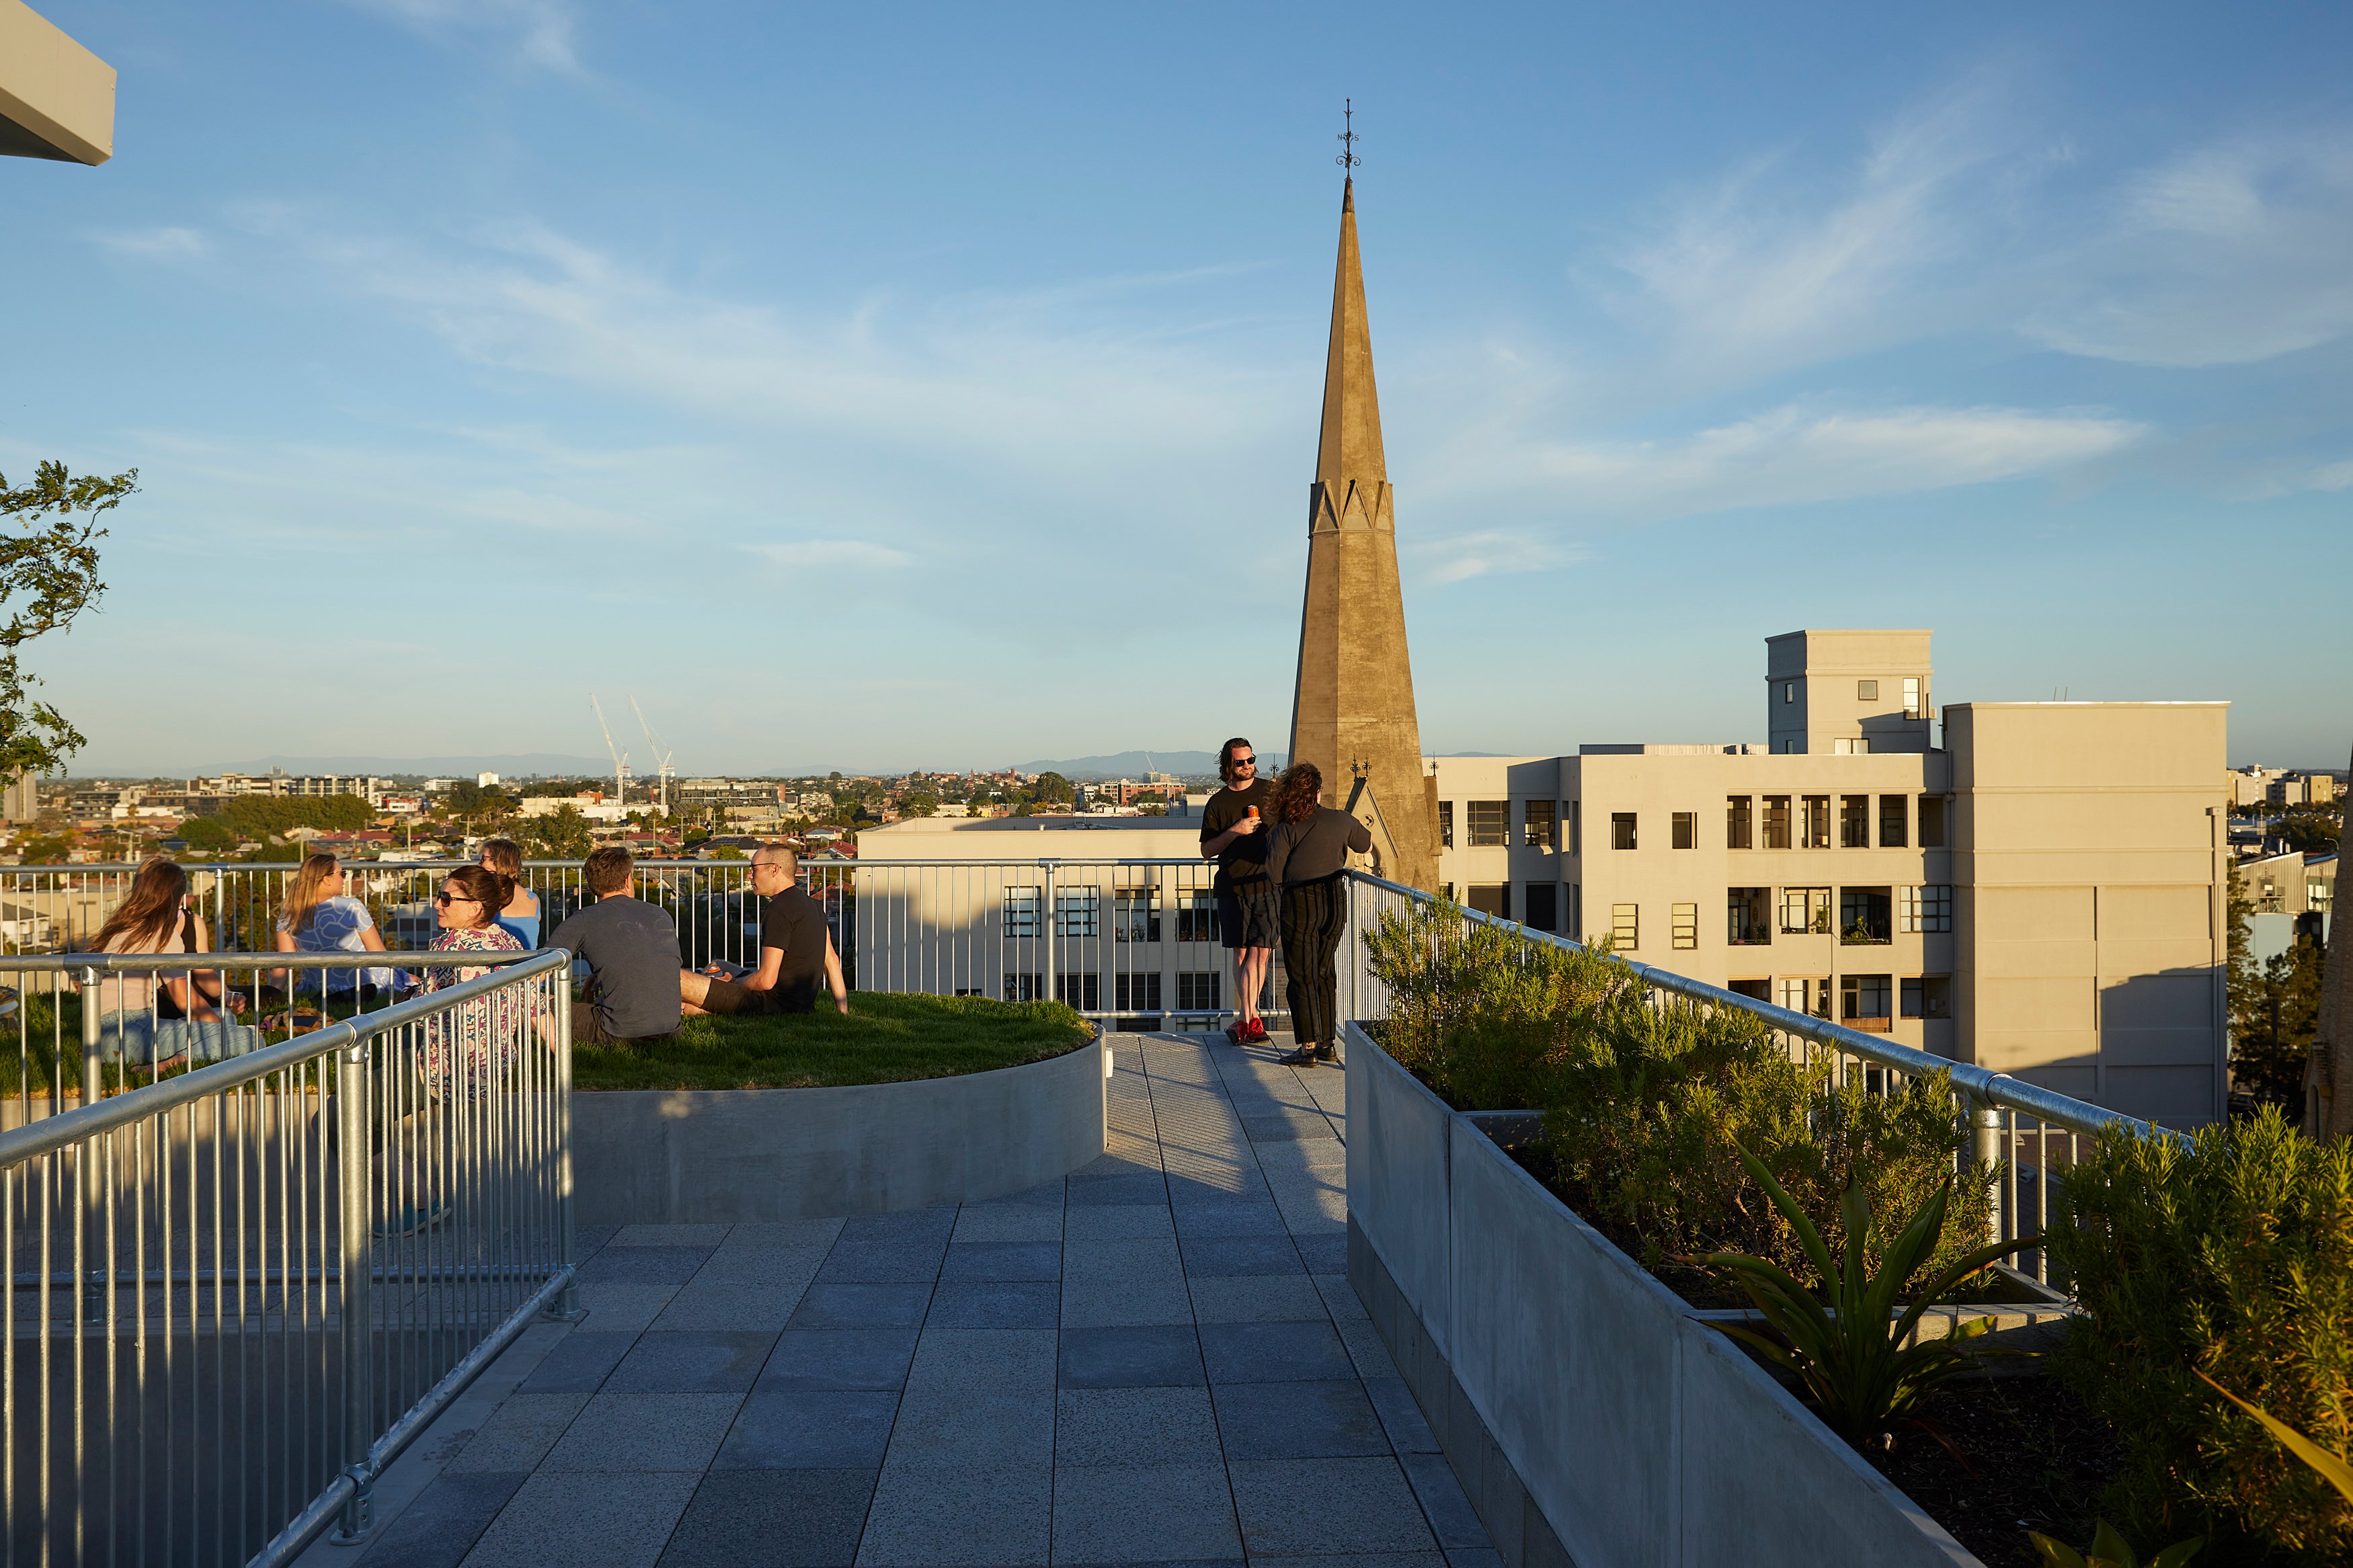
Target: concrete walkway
x=1158 y=1361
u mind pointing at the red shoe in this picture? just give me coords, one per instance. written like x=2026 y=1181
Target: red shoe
x=1235 y=1034
x=1256 y=1032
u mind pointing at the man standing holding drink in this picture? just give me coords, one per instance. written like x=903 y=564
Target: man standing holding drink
x=1233 y=833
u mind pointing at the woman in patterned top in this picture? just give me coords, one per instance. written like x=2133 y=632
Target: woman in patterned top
x=484 y=1033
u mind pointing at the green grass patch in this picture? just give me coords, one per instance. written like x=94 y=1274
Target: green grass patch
x=886 y=1037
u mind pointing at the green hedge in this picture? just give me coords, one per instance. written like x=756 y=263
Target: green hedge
x=2233 y=1256
x=1645 y=1099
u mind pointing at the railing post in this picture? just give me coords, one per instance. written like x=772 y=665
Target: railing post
x=352 y=1296
x=94 y=1293
x=1052 y=915
x=565 y=1308
x=1985 y=1147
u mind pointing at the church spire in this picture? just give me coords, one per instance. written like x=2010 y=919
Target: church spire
x=1350 y=447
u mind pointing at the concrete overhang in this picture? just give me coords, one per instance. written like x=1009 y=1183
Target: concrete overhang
x=57 y=99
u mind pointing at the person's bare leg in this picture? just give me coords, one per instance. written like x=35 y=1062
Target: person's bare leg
x=692 y=989
x=1254 y=964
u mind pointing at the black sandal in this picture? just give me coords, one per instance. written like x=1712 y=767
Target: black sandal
x=1304 y=1056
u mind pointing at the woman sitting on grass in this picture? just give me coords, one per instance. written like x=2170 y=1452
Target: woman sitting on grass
x=320 y=917
x=483 y=1032
x=520 y=919
x=160 y=1020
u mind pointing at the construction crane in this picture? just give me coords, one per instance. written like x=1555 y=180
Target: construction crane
x=620 y=758
x=663 y=772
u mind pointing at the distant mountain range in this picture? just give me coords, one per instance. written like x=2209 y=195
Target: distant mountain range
x=1135 y=764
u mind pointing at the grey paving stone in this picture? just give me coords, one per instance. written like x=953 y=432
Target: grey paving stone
x=1123 y=1260
x=914 y=1225
x=1475 y=1557
x=1114 y=1191
x=1234 y=1217
x=839 y=1359
x=881 y=1262
x=1158 y=1298
x=1357 y=1560
x=706 y=1304
x=606 y=1520
x=700 y=1361
x=1297 y=1420
x=1304 y=1506
x=1393 y=1400
x=1235 y=1184
x=1045 y=1194
x=1451 y=1518
x=1323 y=1254
x=1144 y=1161
x=579 y=1362
x=772 y=1519
x=645 y=1265
x=442 y=1524
x=1159 y=1512
x=995 y=1304
x=762 y=1234
x=1273 y=1353
x=621 y=1307
x=982 y=1222
x=646 y=1432
x=1135 y=1426
x=1004 y=1260
x=973 y=1427
x=734 y=1265
x=940 y=1514
x=827 y=1306
x=587 y=1238
x=1340 y=1297
x=518 y=1435
x=801 y=1430
x=984 y=1358
x=670 y=1234
x=1213 y=1257
x=1137 y=1222
x=1246 y=1299
x=1144 y=1356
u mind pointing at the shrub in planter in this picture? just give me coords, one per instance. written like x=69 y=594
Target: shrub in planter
x=2231 y=1256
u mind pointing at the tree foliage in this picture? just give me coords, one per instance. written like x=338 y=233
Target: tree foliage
x=2311 y=829
x=256 y=817
x=48 y=575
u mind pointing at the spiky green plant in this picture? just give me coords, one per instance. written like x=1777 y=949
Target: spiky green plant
x=2110 y=1550
x=1847 y=1344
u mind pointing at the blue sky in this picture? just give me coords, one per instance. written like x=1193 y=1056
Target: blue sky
x=937 y=385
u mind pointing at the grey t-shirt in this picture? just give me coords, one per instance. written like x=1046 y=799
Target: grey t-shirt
x=631 y=951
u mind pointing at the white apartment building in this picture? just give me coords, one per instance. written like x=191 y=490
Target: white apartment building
x=2040 y=891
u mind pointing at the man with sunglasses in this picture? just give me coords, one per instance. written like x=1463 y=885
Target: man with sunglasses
x=1233 y=833
x=796 y=951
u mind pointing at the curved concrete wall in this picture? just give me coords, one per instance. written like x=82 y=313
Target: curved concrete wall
x=728 y=1157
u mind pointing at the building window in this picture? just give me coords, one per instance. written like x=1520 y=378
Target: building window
x=1853 y=746
x=1491 y=899
x=1135 y=915
x=1792 y=748
x=1756 y=990
x=1863 y=917
x=1081 y=990
x=1854 y=821
x=1576 y=833
x=1929 y=909
x=1625 y=927
x=1197 y=915
x=1577 y=911
x=1776 y=822
x=1198 y=991
x=1789 y=691
x=1539 y=824
x=1024 y=988
x=1685 y=920
x=1932 y=822
x=1076 y=912
x=1137 y=993
x=1491 y=823
x=1622 y=830
x=1022 y=907
x=1446 y=825
x=1809 y=997
x=1929 y=997
x=1543 y=906
x=1862 y=1002
x=1814 y=829
x=1686 y=830
x=1866 y=692
x=1748 y=918
x=1737 y=822
x=1806 y=910
x=1911 y=697
x=1891 y=821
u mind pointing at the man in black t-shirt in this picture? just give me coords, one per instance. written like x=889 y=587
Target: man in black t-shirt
x=796 y=950
x=1233 y=833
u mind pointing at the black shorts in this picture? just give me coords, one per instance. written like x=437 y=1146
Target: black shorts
x=733 y=999
x=1250 y=914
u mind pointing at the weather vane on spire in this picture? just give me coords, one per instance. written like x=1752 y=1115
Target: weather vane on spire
x=1348 y=159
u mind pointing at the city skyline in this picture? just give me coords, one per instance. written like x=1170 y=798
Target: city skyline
x=709 y=362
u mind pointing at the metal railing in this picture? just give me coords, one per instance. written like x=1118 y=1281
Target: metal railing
x=239 y=1290
x=2020 y=1129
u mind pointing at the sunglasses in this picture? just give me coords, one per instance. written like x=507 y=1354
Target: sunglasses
x=1245 y=761
x=454 y=899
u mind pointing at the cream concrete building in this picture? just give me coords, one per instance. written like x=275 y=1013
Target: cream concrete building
x=57 y=99
x=2041 y=893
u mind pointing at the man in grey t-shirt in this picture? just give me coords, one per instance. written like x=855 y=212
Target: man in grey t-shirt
x=631 y=951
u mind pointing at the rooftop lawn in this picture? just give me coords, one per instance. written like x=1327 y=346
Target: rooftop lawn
x=886 y=1037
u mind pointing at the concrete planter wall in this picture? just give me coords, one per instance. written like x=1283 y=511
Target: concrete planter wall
x=1590 y=1417
x=729 y=1156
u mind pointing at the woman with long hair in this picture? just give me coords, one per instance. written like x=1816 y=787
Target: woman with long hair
x=1307 y=857
x=478 y=1034
x=157 y=1020
x=318 y=916
x=520 y=919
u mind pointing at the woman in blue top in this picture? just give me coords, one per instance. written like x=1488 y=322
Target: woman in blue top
x=320 y=917
x=520 y=919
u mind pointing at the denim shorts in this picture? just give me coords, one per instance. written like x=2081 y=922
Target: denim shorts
x=141 y=1039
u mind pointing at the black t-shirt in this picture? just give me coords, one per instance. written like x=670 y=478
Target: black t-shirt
x=1243 y=861
x=794 y=923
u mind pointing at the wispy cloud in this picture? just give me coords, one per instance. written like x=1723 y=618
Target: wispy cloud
x=155 y=243
x=848 y=552
x=543 y=34
x=1459 y=557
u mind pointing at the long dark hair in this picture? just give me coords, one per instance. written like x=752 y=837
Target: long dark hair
x=1295 y=792
x=1226 y=759
x=493 y=889
x=151 y=913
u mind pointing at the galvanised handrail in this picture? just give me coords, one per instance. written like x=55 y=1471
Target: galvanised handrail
x=384 y=1204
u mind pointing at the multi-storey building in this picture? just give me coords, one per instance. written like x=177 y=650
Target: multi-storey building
x=2038 y=890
